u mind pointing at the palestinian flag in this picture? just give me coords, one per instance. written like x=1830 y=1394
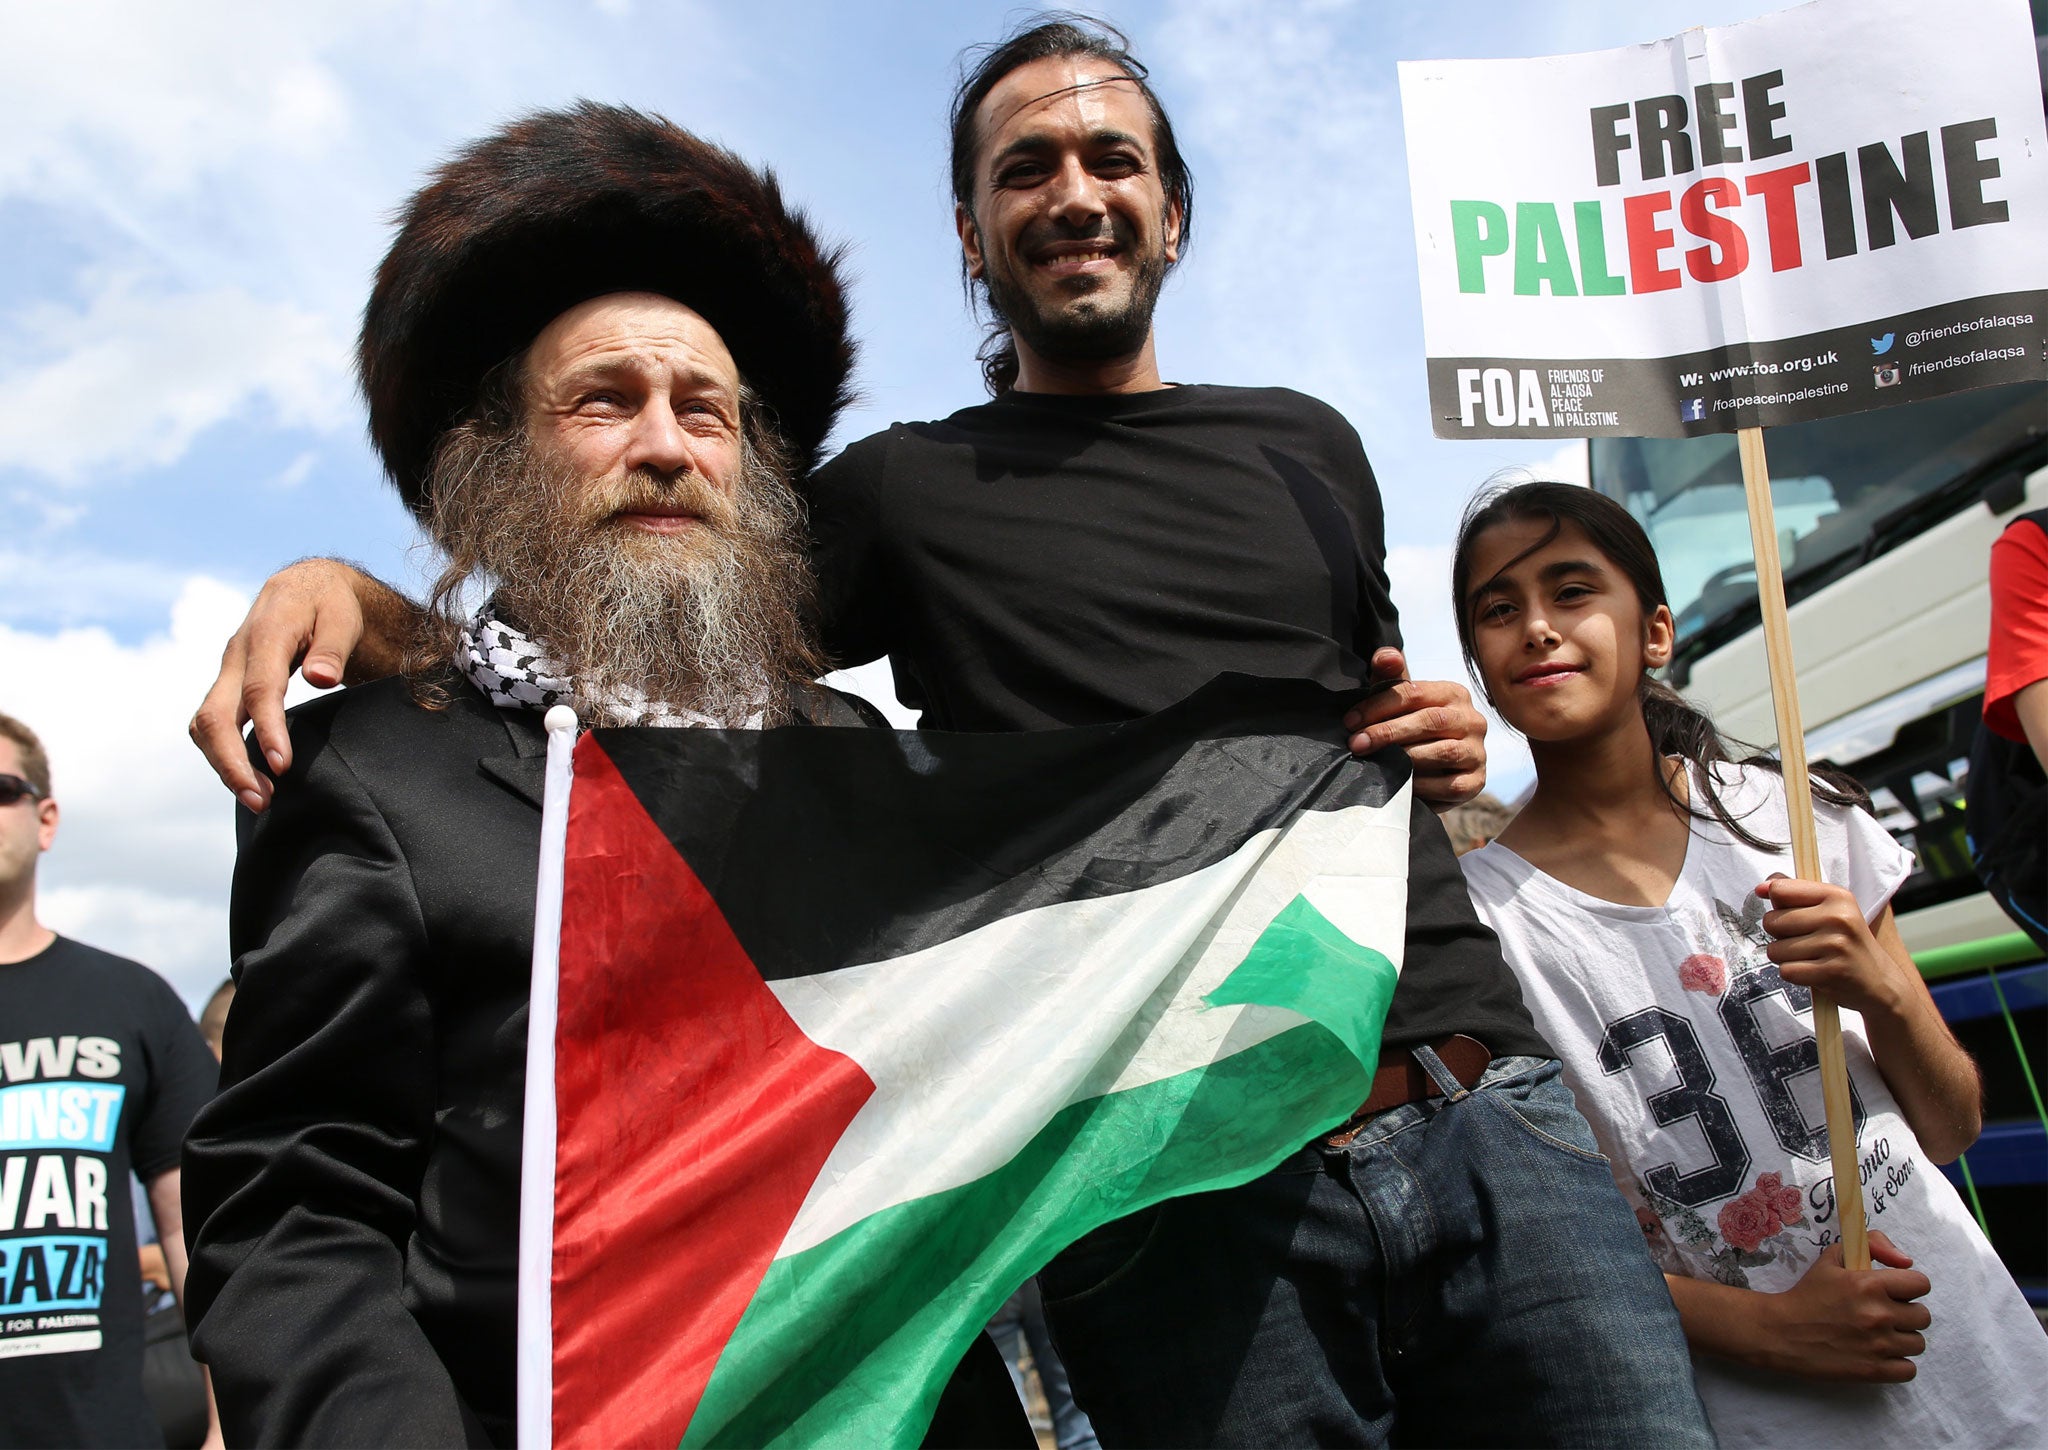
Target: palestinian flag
x=852 y=1030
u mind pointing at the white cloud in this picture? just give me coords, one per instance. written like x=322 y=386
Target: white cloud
x=109 y=98
x=1302 y=270
x=128 y=381
x=1421 y=578
x=1570 y=464
x=146 y=847
x=182 y=938
x=78 y=586
x=213 y=182
x=51 y=518
x=180 y=166
x=295 y=473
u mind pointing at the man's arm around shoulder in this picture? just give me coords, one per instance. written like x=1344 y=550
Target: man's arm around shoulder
x=326 y=618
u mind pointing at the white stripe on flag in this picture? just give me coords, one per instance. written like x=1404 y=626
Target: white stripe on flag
x=536 y=1384
x=975 y=1043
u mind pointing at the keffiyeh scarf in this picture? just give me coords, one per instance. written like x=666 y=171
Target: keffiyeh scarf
x=514 y=670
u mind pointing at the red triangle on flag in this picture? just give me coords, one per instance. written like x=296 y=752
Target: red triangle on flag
x=693 y=1117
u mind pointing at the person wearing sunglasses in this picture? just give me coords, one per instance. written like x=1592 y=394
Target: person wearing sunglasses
x=101 y=1070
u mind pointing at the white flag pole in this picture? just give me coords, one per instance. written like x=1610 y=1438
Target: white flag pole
x=537 y=1150
x=1827 y=1020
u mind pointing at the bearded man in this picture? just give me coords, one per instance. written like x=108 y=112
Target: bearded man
x=596 y=355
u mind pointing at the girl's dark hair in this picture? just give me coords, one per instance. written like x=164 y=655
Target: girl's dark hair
x=1047 y=36
x=1677 y=727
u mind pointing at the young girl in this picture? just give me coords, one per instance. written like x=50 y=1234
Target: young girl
x=1643 y=896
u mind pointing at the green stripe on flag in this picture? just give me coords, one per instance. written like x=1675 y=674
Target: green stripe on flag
x=873 y=1320
x=1305 y=964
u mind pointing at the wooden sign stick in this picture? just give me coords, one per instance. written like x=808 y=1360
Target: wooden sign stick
x=1827 y=1019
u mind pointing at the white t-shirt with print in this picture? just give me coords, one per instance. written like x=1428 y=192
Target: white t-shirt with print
x=1696 y=1065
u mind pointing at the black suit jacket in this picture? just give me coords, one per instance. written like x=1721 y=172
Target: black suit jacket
x=353 y=1192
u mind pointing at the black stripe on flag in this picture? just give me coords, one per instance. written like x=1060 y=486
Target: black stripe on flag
x=828 y=847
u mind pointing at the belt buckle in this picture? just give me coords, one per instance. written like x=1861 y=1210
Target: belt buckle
x=1345 y=1136
x=1421 y=1086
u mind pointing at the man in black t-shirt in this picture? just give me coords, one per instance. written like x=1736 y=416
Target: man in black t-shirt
x=101 y=1071
x=1094 y=544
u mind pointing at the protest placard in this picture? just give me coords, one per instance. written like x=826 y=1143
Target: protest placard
x=1832 y=208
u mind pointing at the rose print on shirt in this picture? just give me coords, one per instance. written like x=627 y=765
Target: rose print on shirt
x=1746 y=1223
x=1731 y=942
x=1750 y=1219
x=1787 y=1201
x=1763 y=1212
x=1752 y=1229
x=1703 y=972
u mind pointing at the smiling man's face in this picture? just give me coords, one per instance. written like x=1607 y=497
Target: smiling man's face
x=1070 y=226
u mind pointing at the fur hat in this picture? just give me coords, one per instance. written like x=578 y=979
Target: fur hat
x=562 y=206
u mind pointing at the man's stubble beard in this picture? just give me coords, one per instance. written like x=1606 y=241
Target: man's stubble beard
x=1090 y=336
x=18 y=860
x=714 y=619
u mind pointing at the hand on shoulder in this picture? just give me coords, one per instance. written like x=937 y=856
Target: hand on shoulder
x=310 y=616
x=1434 y=721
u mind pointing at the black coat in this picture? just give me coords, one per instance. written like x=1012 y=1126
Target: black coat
x=352 y=1195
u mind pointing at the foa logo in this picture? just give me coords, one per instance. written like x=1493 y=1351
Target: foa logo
x=1510 y=399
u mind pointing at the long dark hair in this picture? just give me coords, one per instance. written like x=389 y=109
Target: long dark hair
x=1052 y=35
x=1676 y=726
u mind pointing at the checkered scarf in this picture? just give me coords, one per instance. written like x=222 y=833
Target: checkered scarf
x=515 y=671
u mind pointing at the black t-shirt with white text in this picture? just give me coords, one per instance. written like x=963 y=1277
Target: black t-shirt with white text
x=101 y=1071
x=1042 y=561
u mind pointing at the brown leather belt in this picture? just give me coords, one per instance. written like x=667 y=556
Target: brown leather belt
x=1404 y=1081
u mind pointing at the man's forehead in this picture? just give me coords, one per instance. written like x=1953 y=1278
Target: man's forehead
x=1083 y=88
x=621 y=326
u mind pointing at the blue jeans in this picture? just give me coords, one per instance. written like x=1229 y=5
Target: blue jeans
x=1463 y=1272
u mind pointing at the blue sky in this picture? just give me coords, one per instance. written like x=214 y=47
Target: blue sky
x=193 y=198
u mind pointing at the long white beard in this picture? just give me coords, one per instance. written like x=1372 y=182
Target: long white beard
x=708 y=624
